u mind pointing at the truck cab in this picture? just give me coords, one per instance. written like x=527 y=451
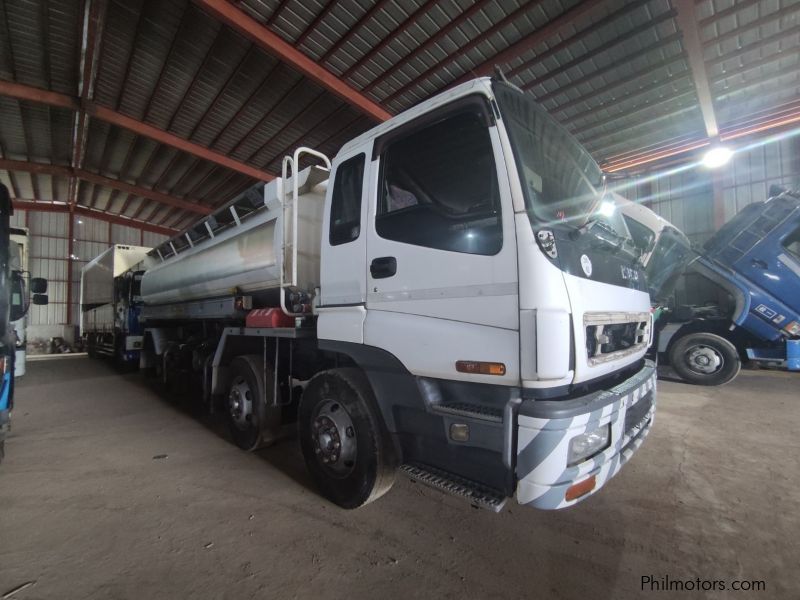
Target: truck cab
x=466 y=243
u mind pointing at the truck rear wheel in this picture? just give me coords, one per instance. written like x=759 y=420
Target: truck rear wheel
x=705 y=359
x=253 y=422
x=345 y=445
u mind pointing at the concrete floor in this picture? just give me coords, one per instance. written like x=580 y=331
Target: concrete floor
x=87 y=510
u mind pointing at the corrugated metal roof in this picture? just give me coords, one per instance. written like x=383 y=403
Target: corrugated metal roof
x=617 y=76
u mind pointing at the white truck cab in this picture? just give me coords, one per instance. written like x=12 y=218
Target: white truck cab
x=467 y=209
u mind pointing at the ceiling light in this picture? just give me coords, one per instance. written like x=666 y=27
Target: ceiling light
x=717 y=157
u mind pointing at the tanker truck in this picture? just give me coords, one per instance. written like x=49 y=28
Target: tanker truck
x=446 y=299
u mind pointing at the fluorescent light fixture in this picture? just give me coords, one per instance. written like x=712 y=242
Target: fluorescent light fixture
x=716 y=157
x=80 y=222
x=606 y=208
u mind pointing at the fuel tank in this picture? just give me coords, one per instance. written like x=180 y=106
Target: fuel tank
x=239 y=249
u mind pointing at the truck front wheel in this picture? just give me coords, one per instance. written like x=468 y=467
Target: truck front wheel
x=705 y=359
x=345 y=445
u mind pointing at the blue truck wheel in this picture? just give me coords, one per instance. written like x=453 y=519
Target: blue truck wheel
x=705 y=359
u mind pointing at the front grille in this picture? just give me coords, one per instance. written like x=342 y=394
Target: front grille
x=610 y=336
x=638 y=411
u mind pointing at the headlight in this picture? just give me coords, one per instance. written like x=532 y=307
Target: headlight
x=586 y=445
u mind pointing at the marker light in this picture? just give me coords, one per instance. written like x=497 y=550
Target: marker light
x=475 y=367
x=580 y=489
x=607 y=208
x=717 y=157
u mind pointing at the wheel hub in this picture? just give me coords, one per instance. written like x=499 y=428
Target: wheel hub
x=240 y=403
x=704 y=359
x=333 y=436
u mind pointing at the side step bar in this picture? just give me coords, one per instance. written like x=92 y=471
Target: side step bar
x=478 y=495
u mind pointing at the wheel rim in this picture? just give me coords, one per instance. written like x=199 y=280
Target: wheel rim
x=240 y=403
x=704 y=360
x=334 y=439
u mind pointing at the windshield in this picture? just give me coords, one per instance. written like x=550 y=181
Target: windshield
x=666 y=263
x=560 y=180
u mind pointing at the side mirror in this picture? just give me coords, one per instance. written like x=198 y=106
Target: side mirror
x=40 y=299
x=39 y=285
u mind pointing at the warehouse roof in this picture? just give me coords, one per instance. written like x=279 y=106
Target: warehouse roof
x=156 y=112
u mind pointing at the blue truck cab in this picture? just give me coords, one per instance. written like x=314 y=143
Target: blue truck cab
x=754 y=260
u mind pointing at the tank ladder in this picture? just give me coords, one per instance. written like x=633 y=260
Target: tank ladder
x=290 y=166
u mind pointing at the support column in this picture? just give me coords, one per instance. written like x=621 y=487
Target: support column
x=71 y=253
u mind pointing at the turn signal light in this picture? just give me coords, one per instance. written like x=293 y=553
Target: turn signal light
x=474 y=367
x=580 y=489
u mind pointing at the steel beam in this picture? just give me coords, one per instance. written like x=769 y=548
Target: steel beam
x=39 y=168
x=275 y=45
x=169 y=139
x=93 y=214
x=93 y=20
x=687 y=22
x=757 y=129
x=25 y=92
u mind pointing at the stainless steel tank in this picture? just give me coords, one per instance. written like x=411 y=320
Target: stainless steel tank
x=247 y=257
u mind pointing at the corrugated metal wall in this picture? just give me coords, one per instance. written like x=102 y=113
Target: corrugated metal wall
x=49 y=257
x=751 y=173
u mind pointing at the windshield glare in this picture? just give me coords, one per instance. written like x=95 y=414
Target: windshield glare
x=560 y=180
x=667 y=262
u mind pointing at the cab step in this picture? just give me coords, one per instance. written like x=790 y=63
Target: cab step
x=478 y=495
x=470 y=411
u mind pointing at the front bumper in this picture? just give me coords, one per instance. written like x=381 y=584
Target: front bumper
x=545 y=428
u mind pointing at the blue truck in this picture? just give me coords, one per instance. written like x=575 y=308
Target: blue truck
x=14 y=304
x=753 y=262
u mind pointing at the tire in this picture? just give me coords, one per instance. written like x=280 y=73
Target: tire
x=339 y=407
x=705 y=359
x=253 y=423
x=2 y=450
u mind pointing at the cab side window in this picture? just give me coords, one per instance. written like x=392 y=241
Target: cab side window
x=438 y=187
x=792 y=243
x=346 y=201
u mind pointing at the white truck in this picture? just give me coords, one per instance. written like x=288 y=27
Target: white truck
x=445 y=299
x=19 y=251
x=109 y=322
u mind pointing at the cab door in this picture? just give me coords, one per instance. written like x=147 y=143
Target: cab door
x=343 y=252
x=441 y=249
x=774 y=262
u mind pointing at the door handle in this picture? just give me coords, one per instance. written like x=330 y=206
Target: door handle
x=383 y=267
x=757 y=262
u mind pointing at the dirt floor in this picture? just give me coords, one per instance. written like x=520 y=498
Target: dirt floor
x=110 y=491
